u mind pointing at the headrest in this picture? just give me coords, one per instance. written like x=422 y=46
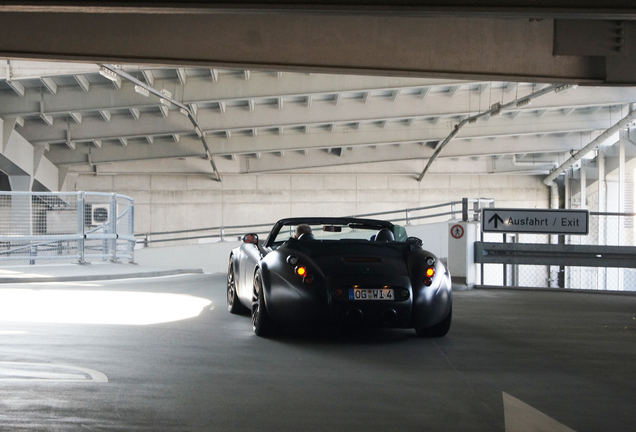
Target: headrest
x=306 y=236
x=385 y=235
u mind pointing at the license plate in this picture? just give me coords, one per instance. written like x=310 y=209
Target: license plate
x=370 y=294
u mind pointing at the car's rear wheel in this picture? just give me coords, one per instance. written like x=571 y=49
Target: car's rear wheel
x=438 y=330
x=233 y=303
x=262 y=324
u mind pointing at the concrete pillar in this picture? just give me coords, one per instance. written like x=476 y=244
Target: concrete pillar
x=21 y=207
x=554 y=204
x=21 y=183
x=568 y=190
x=621 y=172
x=583 y=174
x=554 y=196
x=602 y=185
x=461 y=252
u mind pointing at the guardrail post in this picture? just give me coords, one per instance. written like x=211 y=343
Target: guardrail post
x=481 y=266
x=81 y=226
x=476 y=213
x=222 y=234
x=505 y=266
x=131 y=229
x=465 y=209
x=112 y=225
x=408 y=217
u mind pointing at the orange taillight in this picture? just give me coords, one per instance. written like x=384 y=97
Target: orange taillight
x=430 y=272
x=301 y=271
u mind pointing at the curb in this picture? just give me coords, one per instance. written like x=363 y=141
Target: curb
x=101 y=276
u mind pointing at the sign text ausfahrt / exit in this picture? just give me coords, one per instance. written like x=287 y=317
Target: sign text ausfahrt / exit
x=571 y=222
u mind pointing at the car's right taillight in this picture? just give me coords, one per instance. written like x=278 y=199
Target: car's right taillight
x=428 y=278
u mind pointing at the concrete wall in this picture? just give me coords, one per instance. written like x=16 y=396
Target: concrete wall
x=173 y=202
x=213 y=257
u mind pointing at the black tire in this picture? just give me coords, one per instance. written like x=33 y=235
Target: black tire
x=262 y=324
x=233 y=303
x=438 y=330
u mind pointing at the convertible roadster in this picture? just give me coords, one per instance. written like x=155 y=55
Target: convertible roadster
x=345 y=271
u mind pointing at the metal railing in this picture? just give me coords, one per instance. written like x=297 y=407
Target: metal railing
x=65 y=226
x=466 y=209
x=611 y=237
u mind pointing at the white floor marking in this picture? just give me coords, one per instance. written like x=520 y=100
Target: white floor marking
x=20 y=371
x=81 y=284
x=521 y=417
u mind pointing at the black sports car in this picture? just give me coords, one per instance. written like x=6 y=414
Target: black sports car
x=342 y=271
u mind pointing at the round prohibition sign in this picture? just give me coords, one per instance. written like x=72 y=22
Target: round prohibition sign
x=457 y=231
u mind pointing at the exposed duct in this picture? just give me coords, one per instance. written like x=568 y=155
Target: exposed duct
x=166 y=99
x=495 y=109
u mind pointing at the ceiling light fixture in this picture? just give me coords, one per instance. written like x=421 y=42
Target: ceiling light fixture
x=142 y=91
x=565 y=87
x=168 y=96
x=106 y=73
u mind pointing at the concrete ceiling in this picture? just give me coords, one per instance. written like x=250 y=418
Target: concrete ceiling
x=272 y=121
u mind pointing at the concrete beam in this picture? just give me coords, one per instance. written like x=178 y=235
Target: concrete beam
x=21 y=160
x=271 y=162
x=298 y=161
x=426 y=128
x=114 y=151
x=21 y=69
x=401 y=133
x=382 y=44
x=199 y=90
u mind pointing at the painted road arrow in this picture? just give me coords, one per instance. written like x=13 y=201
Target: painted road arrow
x=521 y=417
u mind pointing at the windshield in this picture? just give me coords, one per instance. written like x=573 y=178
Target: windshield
x=338 y=232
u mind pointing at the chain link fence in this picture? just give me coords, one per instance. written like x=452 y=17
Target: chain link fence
x=37 y=227
x=606 y=229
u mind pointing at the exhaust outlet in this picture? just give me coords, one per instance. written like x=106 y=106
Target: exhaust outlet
x=389 y=316
x=354 y=315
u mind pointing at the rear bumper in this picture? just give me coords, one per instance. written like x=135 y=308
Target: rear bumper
x=320 y=304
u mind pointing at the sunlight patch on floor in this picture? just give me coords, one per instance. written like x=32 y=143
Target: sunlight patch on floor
x=20 y=275
x=96 y=307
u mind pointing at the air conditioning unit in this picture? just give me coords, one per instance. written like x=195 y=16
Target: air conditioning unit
x=100 y=214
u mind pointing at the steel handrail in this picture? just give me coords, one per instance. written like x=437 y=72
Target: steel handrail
x=203 y=229
x=222 y=230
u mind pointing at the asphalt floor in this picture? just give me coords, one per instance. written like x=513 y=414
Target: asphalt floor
x=163 y=354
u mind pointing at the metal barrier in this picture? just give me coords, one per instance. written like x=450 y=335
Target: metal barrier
x=466 y=209
x=602 y=260
x=65 y=226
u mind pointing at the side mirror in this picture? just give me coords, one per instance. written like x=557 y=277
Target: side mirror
x=250 y=238
x=415 y=241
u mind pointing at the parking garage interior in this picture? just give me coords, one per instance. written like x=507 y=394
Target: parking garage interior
x=141 y=141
